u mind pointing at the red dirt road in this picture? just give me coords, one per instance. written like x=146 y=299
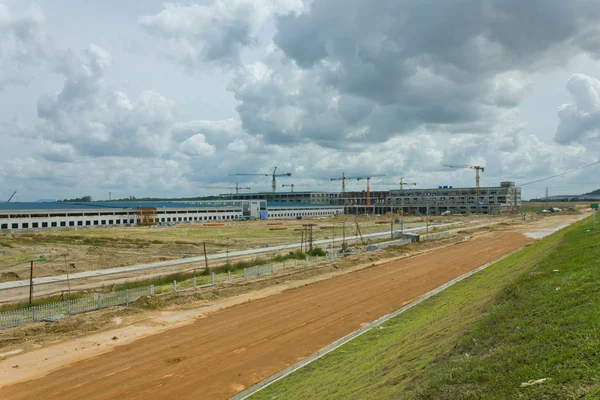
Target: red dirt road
x=220 y=355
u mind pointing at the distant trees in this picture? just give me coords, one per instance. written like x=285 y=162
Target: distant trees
x=84 y=199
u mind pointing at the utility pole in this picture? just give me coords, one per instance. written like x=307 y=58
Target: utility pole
x=427 y=220
x=333 y=239
x=31 y=283
x=67 y=270
x=205 y=258
x=227 y=250
x=547 y=200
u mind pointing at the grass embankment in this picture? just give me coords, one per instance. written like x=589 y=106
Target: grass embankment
x=526 y=330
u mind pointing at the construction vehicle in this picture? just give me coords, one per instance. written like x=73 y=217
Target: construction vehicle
x=273 y=175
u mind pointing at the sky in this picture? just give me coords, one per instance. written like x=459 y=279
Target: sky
x=164 y=99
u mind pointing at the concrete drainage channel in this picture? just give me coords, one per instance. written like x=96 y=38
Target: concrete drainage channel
x=340 y=342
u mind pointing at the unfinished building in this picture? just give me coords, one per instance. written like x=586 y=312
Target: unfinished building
x=502 y=199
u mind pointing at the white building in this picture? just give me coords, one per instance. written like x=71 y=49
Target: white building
x=40 y=216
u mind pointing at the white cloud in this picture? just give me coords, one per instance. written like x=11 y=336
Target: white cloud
x=216 y=33
x=397 y=89
x=238 y=146
x=580 y=121
x=197 y=146
x=23 y=44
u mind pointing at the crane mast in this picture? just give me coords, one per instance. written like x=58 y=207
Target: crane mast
x=273 y=175
x=358 y=178
x=477 y=168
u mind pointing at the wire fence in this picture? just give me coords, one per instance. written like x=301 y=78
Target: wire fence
x=54 y=311
x=258 y=270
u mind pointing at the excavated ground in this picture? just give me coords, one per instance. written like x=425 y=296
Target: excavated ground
x=227 y=351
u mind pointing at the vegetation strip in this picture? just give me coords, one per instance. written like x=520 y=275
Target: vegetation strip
x=388 y=361
x=338 y=343
x=541 y=338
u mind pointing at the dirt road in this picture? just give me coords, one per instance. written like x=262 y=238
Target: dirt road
x=221 y=354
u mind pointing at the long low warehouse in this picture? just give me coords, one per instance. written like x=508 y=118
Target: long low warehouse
x=39 y=216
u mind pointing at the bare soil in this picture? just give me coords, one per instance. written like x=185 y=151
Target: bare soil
x=226 y=345
x=229 y=350
x=94 y=249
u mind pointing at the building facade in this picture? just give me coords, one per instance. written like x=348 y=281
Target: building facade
x=16 y=217
x=505 y=198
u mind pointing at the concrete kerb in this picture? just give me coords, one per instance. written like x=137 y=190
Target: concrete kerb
x=340 y=342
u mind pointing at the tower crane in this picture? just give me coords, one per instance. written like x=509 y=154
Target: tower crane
x=11 y=197
x=402 y=183
x=273 y=175
x=358 y=178
x=477 y=168
x=292 y=185
x=237 y=188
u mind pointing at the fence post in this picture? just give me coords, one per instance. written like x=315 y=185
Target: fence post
x=126 y=297
x=258 y=269
x=213 y=278
x=69 y=307
x=174 y=286
x=194 y=282
x=228 y=274
x=317 y=258
x=283 y=264
x=306 y=260
x=34 y=314
x=151 y=290
x=244 y=272
x=99 y=301
x=272 y=268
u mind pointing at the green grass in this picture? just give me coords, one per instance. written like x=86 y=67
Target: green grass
x=404 y=358
x=184 y=279
x=544 y=325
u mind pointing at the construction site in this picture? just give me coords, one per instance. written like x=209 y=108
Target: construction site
x=217 y=297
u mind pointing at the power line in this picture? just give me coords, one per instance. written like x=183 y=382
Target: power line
x=562 y=173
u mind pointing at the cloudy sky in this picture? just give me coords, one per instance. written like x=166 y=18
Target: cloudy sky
x=153 y=98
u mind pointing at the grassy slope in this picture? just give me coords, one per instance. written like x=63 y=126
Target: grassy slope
x=545 y=325
x=387 y=362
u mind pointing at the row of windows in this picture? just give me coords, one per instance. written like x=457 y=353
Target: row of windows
x=62 y=224
x=307 y=213
x=204 y=218
x=103 y=222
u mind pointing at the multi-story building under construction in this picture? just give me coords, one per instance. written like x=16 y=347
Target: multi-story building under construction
x=502 y=199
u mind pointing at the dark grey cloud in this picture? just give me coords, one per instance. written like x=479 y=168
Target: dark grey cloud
x=198 y=35
x=390 y=69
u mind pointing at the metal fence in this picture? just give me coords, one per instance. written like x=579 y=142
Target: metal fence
x=394 y=243
x=53 y=311
x=258 y=270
